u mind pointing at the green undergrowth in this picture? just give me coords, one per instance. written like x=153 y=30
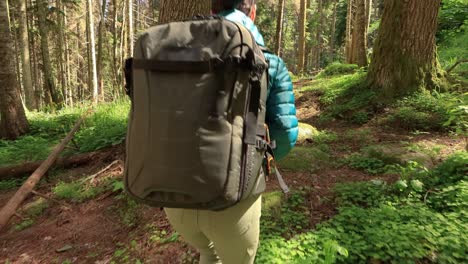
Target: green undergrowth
x=30 y=212
x=337 y=68
x=428 y=111
x=345 y=96
x=81 y=190
x=105 y=127
x=453 y=48
x=421 y=218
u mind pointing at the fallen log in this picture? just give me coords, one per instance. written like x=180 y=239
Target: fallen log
x=12 y=205
x=30 y=167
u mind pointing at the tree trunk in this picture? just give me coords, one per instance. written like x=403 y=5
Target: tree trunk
x=102 y=23
x=332 y=32
x=61 y=54
x=123 y=39
x=25 y=57
x=318 y=36
x=177 y=10
x=35 y=69
x=359 y=36
x=405 y=58
x=62 y=162
x=349 y=31
x=302 y=39
x=116 y=62
x=67 y=61
x=16 y=51
x=130 y=28
x=80 y=79
x=279 y=27
x=368 y=13
x=49 y=76
x=13 y=122
x=92 y=50
x=357 y=23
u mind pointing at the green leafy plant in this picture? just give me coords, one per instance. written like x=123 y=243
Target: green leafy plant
x=128 y=210
x=364 y=194
x=369 y=164
x=24 y=224
x=9 y=184
x=291 y=217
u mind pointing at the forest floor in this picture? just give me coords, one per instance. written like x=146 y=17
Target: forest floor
x=106 y=227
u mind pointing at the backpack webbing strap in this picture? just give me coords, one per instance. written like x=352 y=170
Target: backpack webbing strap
x=251 y=126
x=271 y=164
x=281 y=181
x=179 y=66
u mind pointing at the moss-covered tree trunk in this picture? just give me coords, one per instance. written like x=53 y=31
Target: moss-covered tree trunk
x=13 y=122
x=177 y=10
x=404 y=58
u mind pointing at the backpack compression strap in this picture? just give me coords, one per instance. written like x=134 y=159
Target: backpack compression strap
x=270 y=164
x=211 y=65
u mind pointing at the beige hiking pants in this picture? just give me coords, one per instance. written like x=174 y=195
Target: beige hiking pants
x=227 y=237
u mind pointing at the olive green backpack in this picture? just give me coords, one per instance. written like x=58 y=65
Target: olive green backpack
x=196 y=135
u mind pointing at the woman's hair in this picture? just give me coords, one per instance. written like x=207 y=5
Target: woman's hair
x=246 y=6
x=221 y=5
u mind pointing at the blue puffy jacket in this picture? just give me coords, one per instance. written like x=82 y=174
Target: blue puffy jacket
x=281 y=111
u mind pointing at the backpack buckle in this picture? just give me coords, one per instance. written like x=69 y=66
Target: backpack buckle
x=215 y=63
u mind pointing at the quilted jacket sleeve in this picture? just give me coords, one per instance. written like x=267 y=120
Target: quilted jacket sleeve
x=281 y=111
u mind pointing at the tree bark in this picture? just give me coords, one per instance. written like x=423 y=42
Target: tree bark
x=102 y=23
x=80 y=74
x=357 y=23
x=69 y=99
x=332 y=32
x=25 y=57
x=92 y=50
x=49 y=76
x=130 y=28
x=65 y=162
x=349 y=31
x=13 y=122
x=61 y=54
x=177 y=10
x=16 y=51
x=318 y=36
x=116 y=62
x=302 y=37
x=279 y=27
x=405 y=58
x=361 y=23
